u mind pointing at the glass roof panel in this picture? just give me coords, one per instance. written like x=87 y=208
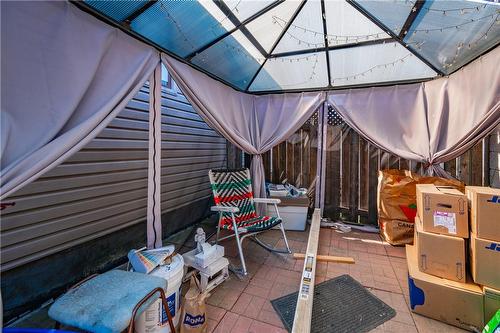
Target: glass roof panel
x=391 y=13
x=295 y=72
x=118 y=10
x=451 y=33
x=376 y=63
x=243 y=9
x=445 y=34
x=266 y=28
x=182 y=27
x=233 y=59
x=305 y=32
x=346 y=25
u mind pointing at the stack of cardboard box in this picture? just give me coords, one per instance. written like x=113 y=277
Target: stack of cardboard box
x=485 y=244
x=439 y=284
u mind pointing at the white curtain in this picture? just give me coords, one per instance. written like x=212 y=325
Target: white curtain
x=431 y=122
x=65 y=76
x=255 y=124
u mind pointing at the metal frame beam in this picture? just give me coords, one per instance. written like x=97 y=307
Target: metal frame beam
x=242 y=23
x=230 y=15
x=417 y=7
x=354 y=86
x=382 y=26
x=108 y=20
x=139 y=11
x=332 y=48
x=325 y=39
x=277 y=42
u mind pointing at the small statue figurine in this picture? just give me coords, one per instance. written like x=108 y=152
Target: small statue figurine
x=200 y=239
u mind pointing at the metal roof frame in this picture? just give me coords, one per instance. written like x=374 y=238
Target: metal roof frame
x=325 y=38
x=241 y=25
x=236 y=28
x=139 y=11
x=230 y=15
x=277 y=41
x=333 y=47
x=393 y=35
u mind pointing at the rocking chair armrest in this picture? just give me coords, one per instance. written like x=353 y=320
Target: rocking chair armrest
x=267 y=200
x=225 y=209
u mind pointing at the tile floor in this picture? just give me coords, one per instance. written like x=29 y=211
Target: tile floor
x=243 y=305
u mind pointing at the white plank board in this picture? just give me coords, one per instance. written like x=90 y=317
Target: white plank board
x=303 y=312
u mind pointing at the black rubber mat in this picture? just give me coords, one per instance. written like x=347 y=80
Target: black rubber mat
x=340 y=305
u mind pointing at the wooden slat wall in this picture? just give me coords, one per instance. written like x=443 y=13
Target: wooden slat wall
x=494 y=158
x=352 y=166
x=294 y=159
x=103 y=187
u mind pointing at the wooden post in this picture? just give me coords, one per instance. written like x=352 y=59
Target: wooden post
x=303 y=312
x=154 y=233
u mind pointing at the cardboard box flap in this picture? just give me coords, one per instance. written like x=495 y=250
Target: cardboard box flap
x=439 y=189
x=483 y=190
x=412 y=259
x=449 y=190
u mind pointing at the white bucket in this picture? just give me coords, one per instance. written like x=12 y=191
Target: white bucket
x=154 y=318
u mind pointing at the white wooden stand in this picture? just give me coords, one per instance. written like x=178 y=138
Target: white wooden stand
x=210 y=276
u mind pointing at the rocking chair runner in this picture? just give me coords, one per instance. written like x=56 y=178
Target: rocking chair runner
x=234 y=201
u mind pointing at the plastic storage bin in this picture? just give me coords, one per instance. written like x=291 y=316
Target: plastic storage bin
x=293 y=211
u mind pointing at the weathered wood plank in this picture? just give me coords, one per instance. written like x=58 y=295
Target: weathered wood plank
x=364 y=174
x=326 y=258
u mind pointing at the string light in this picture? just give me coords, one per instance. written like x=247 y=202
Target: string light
x=332 y=38
x=461 y=45
x=370 y=70
x=457 y=26
x=177 y=25
x=341 y=39
x=463 y=10
x=311 y=76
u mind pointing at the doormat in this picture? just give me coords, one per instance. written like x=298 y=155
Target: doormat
x=341 y=304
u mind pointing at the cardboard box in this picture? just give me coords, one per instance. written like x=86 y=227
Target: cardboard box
x=443 y=210
x=456 y=303
x=485 y=261
x=491 y=302
x=440 y=255
x=484 y=204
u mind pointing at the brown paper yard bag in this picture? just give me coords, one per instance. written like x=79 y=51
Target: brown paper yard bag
x=193 y=315
x=397 y=202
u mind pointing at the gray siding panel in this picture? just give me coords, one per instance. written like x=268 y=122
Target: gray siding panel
x=103 y=187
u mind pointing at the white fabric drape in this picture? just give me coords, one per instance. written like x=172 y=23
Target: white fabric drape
x=65 y=76
x=255 y=124
x=431 y=122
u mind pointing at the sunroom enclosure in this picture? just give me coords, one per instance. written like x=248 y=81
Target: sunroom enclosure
x=103 y=151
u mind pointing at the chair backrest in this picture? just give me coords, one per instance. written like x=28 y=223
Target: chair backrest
x=233 y=188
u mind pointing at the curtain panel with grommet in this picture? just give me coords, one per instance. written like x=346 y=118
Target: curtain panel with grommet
x=253 y=123
x=65 y=76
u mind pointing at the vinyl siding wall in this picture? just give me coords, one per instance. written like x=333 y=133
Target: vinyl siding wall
x=103 y=187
